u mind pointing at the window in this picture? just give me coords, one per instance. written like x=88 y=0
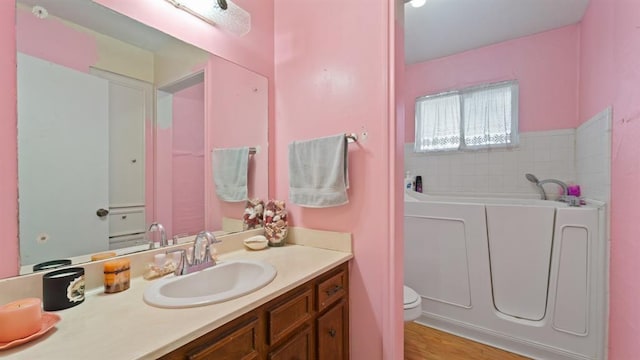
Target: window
x=473 y=118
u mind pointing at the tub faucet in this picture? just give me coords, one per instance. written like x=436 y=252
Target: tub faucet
x=543 y=195
x=557 y=182
x=163 y=234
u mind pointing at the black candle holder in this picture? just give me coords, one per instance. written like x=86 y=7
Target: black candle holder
x=62 y=289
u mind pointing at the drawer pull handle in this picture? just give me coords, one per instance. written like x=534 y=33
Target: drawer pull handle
x=333 y=290
x=332 y=332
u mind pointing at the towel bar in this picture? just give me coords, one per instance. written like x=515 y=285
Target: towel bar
x=351 y=137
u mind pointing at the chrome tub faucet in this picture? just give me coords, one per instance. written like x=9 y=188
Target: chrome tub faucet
x=569 y=199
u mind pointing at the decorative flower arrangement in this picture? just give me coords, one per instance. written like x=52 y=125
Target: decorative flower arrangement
x=253 y=213
x=275 y=222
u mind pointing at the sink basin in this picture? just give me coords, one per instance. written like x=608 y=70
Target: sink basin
x=222 y=282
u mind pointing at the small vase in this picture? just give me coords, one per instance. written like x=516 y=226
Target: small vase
x=276 y=227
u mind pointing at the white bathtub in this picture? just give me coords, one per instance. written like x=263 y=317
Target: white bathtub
x=529 y=276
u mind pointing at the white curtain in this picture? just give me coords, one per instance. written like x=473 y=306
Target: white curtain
x=478 y=117
x=438 y=127
x=488 y=116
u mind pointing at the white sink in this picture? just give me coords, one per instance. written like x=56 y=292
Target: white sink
x=222 y=282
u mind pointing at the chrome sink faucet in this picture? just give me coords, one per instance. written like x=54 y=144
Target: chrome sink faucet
x=163 y=234
x=198 y=261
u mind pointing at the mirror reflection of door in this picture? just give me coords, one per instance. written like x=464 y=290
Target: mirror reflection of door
x=180 y=151
x=130 y=113
x=63 y=161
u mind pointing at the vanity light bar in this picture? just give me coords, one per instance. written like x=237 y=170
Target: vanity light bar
x=233 y=19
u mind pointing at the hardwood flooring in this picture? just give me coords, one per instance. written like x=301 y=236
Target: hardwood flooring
x=424 y=343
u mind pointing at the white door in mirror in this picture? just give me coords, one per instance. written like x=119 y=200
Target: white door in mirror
x=225 y=281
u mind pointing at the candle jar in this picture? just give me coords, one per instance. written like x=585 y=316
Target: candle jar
x=62 y=289
x=117 y=276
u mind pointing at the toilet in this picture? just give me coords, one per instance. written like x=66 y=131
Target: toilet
x=412 y=304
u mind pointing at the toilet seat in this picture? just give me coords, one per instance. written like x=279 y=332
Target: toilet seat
x=411 y=298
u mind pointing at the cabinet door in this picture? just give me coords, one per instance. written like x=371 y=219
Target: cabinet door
x=331 y=333
x=299 y=347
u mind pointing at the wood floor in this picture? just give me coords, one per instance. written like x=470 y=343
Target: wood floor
x=423 y=343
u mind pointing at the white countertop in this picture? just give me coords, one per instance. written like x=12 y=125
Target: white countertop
x=123 y=326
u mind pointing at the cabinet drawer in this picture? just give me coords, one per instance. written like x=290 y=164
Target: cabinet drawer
x=332 y=289
x=126 y=221
x=289 y=315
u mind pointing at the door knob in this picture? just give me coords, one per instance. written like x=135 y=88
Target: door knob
x=102 y=212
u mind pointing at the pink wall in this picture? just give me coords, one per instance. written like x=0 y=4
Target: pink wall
x=610 y=75
x=188 y=161
x=395 y=291
x=545 y=64
x=333 y=75
x=54 y=41
x=236 y=118
x=8 y=146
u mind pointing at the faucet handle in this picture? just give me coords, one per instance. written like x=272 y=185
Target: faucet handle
x=571 y=200
x=183 y=266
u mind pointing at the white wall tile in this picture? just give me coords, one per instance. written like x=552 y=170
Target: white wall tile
x=548 y=154
x=593 y=156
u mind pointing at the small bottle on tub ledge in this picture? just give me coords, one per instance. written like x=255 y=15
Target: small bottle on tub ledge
x=418 y=184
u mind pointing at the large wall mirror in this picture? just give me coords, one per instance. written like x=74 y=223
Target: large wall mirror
x=116 y=125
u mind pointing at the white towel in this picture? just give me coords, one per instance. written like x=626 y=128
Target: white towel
x=318 y=175
x=230 y=168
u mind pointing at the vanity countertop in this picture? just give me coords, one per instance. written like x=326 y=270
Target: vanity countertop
x=123 y=326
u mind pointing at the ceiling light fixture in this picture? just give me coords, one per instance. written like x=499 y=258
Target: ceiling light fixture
x=221 y=13
x=416 y=3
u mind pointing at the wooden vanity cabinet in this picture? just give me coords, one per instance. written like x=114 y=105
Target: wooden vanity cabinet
x=307 y=323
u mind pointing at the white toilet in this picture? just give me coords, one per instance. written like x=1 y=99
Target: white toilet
x=412 y=304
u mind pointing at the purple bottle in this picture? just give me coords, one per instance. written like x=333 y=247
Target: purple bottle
x=419 y=183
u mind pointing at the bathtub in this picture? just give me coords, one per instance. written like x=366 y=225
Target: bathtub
x=528 y=276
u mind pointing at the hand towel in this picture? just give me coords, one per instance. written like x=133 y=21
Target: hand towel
x=230 y=167
x=318 y=175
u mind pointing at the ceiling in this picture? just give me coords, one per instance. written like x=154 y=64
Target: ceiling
x=445 y=27
x=90 y=15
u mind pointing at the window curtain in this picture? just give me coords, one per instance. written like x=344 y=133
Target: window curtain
x=439 y=128
x=490 y=116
